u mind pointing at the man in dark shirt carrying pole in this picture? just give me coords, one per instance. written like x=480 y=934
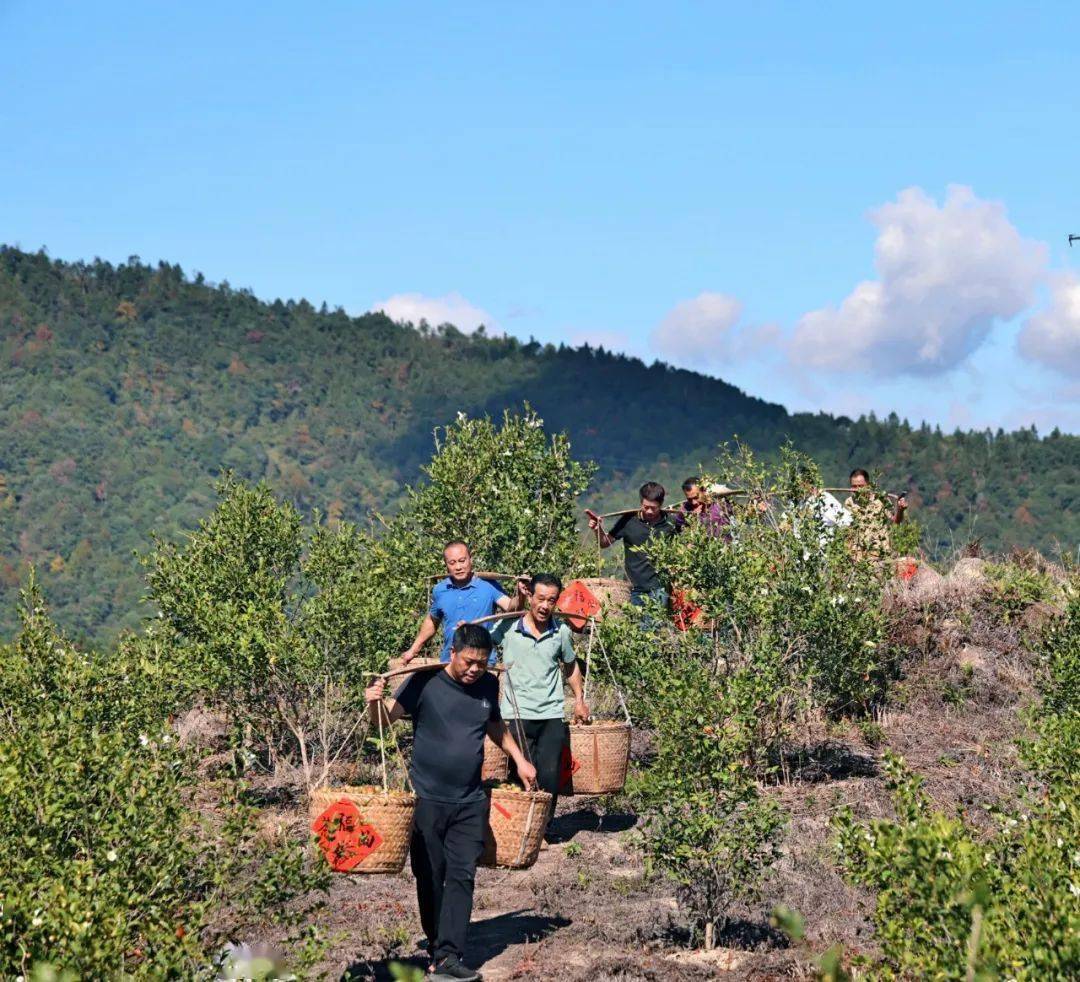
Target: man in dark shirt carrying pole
x=452 y=708
x=634 y=531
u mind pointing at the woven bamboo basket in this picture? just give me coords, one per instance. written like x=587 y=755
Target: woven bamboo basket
x=496 y=763
x=611 y=593
x=516 y=824
x=389 y=814
x=600 y=753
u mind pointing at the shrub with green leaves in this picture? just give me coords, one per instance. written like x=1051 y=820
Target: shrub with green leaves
x=1014 y=588
x=906 y=538
x=1054 y=752
x=706 y=823
x=785 y=586
x=282 y=625
x=108 y=871
x=953 y=903
x=790 y=624
x=510 y=491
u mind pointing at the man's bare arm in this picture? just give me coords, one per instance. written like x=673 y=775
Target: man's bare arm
x=517 y=601
x=597 y=525
x=572 y=674
x=428 y=627
x=389 y=709
x=501 y=736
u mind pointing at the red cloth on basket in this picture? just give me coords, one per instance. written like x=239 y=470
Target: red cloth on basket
x=683 y=612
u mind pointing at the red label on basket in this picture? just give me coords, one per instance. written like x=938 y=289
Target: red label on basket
x=684 y=612
x=577 y=604
x=569 y=765
x=505 y=812
x=344 y=837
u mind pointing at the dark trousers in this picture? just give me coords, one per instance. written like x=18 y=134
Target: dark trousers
x=544 y=739
x=446 y=843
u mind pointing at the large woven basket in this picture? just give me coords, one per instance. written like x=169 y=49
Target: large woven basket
x=599 y=755
x=517 y=821
x=387 y=814
x=611 y=593
x=496 y=763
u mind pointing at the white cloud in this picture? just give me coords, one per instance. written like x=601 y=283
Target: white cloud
x=1052 y=336
x=946 y=275
x=698 y=330
x=452 y=308
x=706 y=331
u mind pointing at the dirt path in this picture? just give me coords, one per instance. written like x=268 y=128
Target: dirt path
x=583 y=911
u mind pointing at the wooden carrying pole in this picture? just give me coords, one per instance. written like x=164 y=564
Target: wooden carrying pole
x=630 y=511
x=500 y=616
x=435 y=577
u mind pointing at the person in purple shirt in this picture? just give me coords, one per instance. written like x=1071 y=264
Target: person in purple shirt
x=461 y=597
x=714 y=515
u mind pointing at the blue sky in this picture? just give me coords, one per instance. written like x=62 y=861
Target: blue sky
x=706 y=183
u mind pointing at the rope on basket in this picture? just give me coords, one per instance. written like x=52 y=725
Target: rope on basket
x=611 y=672
x=517 y=715
x=588 y=652
x=382 y=742
x=382 y=747
x=607 y=663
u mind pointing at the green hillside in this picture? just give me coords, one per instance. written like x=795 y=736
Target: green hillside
x=128 y=388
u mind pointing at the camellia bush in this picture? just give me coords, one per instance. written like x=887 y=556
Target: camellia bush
x=510 y=491
x=781 y=595
x=953 y=903
x=788 y=627
x=282 y=625
x=108 y=870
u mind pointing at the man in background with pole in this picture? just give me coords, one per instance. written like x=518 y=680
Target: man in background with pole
x=635 y=530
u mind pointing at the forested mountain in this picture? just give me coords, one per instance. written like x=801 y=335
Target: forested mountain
x=127 y=389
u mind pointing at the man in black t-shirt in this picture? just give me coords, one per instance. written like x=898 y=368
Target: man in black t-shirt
x=452 y=710
x=635 y=530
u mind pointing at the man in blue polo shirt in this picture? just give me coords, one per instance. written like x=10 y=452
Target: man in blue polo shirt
x=460 y=598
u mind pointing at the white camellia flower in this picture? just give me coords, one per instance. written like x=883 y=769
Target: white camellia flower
x=143 y=739
x=111 y=856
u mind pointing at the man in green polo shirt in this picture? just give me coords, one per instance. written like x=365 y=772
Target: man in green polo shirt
x=538 y=655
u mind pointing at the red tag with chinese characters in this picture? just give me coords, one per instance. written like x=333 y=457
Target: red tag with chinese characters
x=577 y=604
x=569 y=765
x=344 y=837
